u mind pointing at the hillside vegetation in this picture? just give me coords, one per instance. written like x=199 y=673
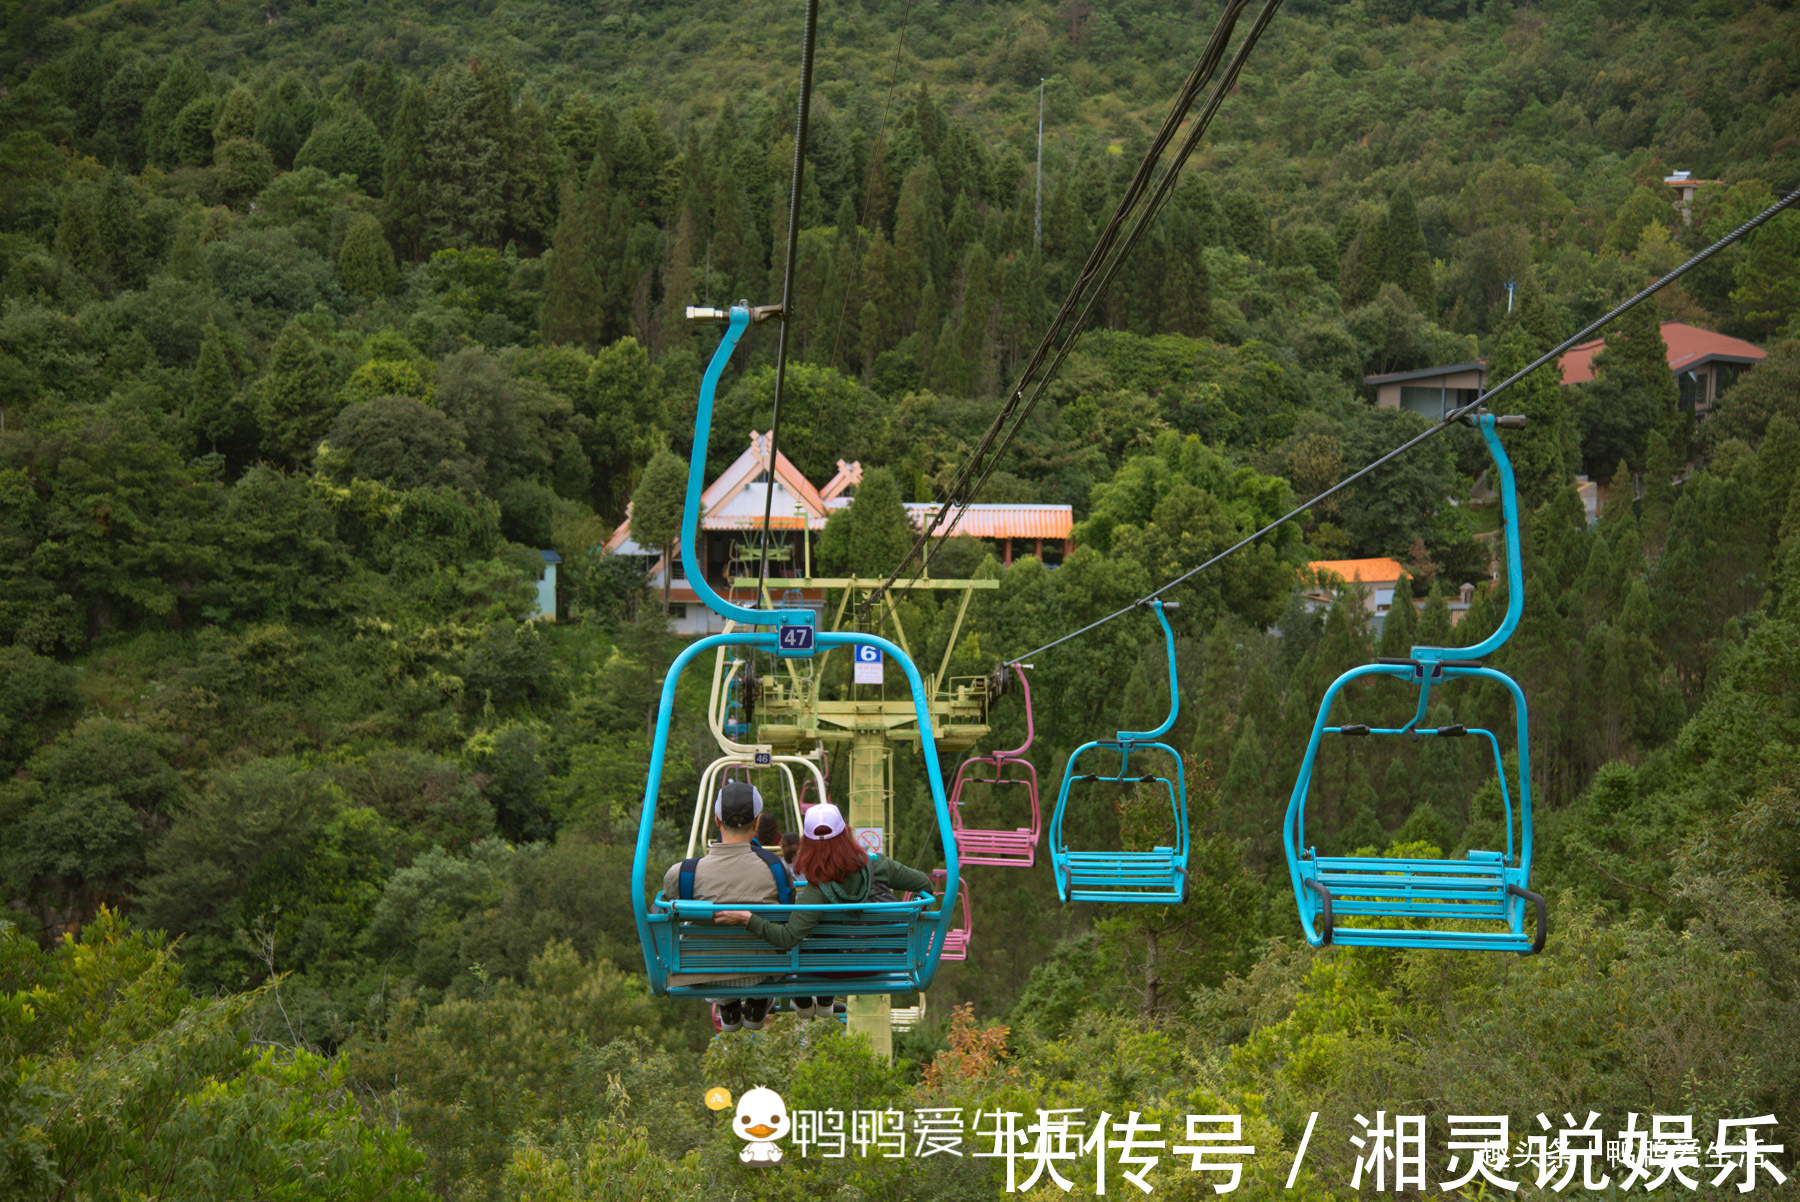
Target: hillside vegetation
x=319 y=322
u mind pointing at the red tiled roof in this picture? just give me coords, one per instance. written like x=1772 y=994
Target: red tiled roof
x=1688 y=345
x=1002 y=521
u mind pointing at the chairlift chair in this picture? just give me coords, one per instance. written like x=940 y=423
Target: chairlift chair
x=1015 y=848
x=956 y=940
x=1489 y=889
x=877 y=947
x=1142 y=877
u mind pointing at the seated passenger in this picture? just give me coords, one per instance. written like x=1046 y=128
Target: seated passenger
x=838 y=872
x=735 y=869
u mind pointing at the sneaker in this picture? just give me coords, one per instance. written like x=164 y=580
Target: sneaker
x=755 y=1010
x=803 y=1007
x=840 y=1007
x=731 y=1017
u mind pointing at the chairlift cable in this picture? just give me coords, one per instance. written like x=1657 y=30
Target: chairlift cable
x=808 y=40
x=955 y=497
x=1447 y=420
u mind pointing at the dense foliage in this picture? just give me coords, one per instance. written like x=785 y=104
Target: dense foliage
x=319 y=323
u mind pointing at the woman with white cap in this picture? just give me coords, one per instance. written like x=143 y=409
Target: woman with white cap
x=837 y=872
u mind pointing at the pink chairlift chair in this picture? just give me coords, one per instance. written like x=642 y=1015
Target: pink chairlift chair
x=1003 y=848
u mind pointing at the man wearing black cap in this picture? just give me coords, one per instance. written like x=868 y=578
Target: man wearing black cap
x=735 y=869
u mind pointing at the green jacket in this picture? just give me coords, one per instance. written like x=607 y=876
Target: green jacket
x=851 y=891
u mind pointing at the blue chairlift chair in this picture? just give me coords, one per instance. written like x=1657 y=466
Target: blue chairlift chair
x=1145 y=877
x=881 y=947
x=1484 y=895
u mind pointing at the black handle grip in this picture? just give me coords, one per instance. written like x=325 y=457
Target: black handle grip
x=1324 y=910
x=1353 y=730
x=1511 y=421
x=1543 y=916
x=1456 y=731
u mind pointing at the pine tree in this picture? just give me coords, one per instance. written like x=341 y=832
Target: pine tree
x=465 y=143
x=868 y=538
x=403 y=178
x=237 y=115
x=1405 y=260
x=285 y=118
x=918 y=241
x=296 y=405
x=533 y=171
x=365 y=261
x=1434 y=622
x=592 y=269
x=966 y=367
x=119 y=233
x=183 y=82
x=1659 y=492
x=122 y=112
x=656 y=509
x=211 y=413
x=1538 y=452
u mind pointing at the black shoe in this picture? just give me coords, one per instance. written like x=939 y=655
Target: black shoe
x=803 y=1007
x=755 y=1010
x=731 y=1017
x=840 y=1008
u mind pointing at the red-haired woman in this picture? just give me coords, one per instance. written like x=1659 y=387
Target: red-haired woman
x=838 y=872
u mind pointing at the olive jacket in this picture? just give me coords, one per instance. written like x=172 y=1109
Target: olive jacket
x=853 y=890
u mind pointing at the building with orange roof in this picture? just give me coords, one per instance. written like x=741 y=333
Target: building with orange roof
x=1380 y=579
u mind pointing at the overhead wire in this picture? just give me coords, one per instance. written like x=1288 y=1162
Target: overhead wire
x=1444 y=423
x=1096 y=273
x=808 y=38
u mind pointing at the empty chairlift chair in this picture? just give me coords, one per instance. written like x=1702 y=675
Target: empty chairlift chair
x=956 y=939
x=1145 y=877
x=878 y=947
x=985 y=844
x=1487 y=893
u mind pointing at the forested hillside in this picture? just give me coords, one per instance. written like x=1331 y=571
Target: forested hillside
x=318 y=322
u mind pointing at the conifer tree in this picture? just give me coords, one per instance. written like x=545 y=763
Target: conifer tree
x=1405 y=260
x=237 y=115
x=404 y=186
x=465 y=143
x=592 y=269
x=213 y=414
x=118 y=231
x=296 y=405
x=1539 y=451
x=869 y=537
x=183 y=82
x=121 y=113
x=656 y=509
x=1659 y=492
x=533 y=171
x=365 y=261
x=285 y=117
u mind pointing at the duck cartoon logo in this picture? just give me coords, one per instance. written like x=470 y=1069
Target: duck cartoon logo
x=762 y=1118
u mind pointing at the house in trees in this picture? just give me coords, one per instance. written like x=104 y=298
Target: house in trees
x=1430 y=392
x=731 y=522
x=1685 y=186
x=1379 y=578
x=1704 y=363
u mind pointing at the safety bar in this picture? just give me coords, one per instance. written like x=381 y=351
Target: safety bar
x=1543 y=916
x=1324 y=910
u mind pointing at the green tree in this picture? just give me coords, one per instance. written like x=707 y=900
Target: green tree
x=1405 y=261
x=401 y=442
x=241 y=170
x=345 y=143
x=867 y=538
x=295 y=405
x=622 y=401
x=656 y=508
x=592 y=268
x=285 y=117
x=404 y=192
x=237 y=115
x=1539 y=453
x=365 y=261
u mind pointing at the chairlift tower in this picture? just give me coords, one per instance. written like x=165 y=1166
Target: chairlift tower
x=790 y=715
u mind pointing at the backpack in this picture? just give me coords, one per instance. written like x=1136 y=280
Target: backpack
x=784 y=885
x=878 y=888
